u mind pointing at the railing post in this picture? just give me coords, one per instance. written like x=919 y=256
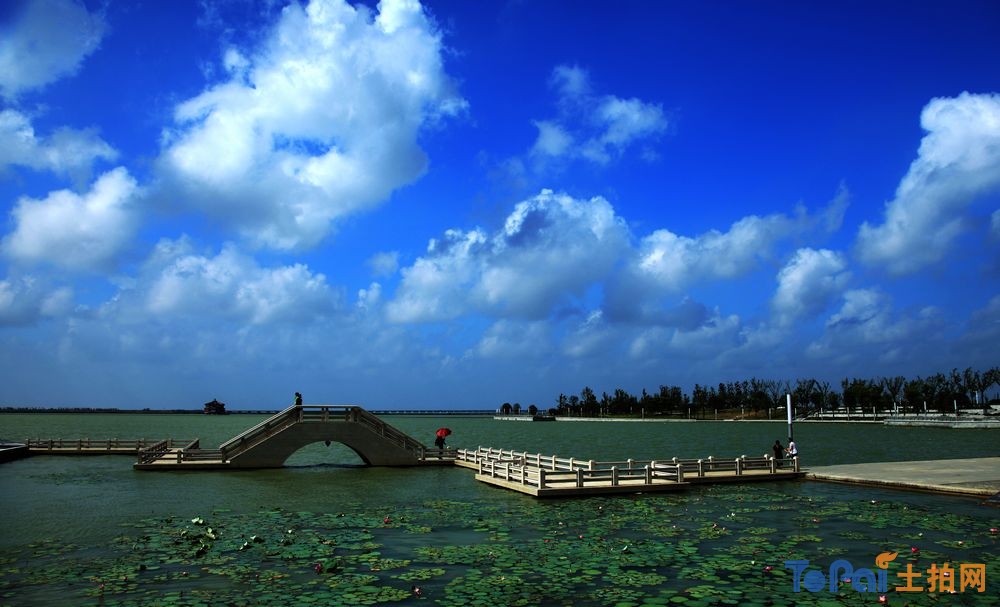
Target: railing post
x=579 y=477
x=680 y=474
x=541 y=478
x=649 y=475
x=701 y=467
x=739 y=466
x=796 y=460
x=614 y=476
x=773 y=463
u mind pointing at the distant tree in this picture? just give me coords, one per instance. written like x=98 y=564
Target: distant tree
x=505 y=408
x=517 y=408
x=588 y=401
x=532 y=410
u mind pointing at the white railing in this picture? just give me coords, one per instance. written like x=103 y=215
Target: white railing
x=542 y=471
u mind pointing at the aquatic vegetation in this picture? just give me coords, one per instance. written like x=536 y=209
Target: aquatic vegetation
x=718 y=546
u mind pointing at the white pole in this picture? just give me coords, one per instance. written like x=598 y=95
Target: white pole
x=788 y=407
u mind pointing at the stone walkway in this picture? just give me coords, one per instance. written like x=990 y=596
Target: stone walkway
x=972 y=477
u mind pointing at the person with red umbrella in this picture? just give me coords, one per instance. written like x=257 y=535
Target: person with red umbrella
x=440 y=436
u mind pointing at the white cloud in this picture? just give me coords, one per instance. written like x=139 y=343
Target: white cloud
x=597 y=128
x=26 y=300
x=810 y=281
x=867 y=328
x=958 y=161
x=178 y=282
x=65 y=152
x=552 y=139
x=76 y=232
x=666 y=264
x=321 y=124
x=716 y=335
x=593 y=336
x=511 y=339
x=385 y=263
x=47 y=40
x=551 y=247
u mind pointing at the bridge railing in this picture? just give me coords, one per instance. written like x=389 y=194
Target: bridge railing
x=317 y=413
x=378 y=426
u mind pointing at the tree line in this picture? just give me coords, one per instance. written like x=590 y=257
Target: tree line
x=941 y=393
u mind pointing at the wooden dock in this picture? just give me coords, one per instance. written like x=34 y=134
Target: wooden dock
x=552 y=476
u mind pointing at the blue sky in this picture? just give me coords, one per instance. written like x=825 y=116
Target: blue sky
x=458 y=204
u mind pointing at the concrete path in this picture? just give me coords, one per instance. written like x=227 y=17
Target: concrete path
x=972 y=477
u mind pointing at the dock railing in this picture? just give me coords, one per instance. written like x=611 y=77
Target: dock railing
x=540 y=471
x=96 y=445
x=158 y=449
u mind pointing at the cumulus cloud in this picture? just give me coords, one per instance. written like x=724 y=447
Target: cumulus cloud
x=958 y=162
x=179 y=282
x=73 y=231
x=867 y=324
x=45 y=41
x=551 y=246
x=512 y=339
x=809 y=283
x=385 y=263
x=66 y=151
x=320 y=123
x=666 y=264
x=596 y=128
x=717 y=334
x=25 y=300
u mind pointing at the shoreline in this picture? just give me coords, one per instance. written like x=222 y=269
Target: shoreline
x=940 y=422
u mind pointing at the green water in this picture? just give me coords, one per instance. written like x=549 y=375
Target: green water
x=71 y=524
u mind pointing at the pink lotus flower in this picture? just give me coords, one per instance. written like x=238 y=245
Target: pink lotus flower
x=914 y=550
x=769 y=568
x=883 y=599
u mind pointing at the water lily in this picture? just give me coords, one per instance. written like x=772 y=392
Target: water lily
x=914 y=550
x=883 y=599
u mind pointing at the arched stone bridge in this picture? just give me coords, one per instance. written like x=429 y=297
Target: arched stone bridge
x=271 y=442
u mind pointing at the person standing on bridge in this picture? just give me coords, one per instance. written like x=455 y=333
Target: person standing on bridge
x=779 y=451
x=298 y=399
x=792 y=450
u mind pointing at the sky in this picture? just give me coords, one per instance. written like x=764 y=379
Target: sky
x=459 y=204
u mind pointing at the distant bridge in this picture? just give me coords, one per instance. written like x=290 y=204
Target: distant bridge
x=271 y=442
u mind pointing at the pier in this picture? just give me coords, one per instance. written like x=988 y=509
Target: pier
x=551 y=476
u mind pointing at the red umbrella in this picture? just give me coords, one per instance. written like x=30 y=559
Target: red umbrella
x=443 y=432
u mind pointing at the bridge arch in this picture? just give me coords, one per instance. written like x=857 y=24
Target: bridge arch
x=270 y=443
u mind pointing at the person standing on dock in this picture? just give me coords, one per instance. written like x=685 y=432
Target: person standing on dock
x=779 y=451
x=792 y=450
x=298 y=399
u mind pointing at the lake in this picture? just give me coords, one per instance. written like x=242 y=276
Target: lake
x=325 y=530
